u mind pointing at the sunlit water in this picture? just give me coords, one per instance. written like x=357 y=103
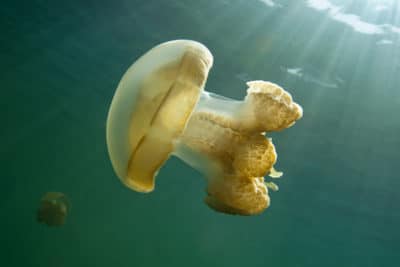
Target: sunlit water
x=338 y=203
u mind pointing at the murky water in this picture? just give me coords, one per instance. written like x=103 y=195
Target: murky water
x=338 y=203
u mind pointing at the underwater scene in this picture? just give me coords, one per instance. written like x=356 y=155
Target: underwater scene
x=200 y=133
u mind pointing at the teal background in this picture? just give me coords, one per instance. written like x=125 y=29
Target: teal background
x=338 y=203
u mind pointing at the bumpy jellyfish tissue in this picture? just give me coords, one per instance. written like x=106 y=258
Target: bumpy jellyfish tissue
x=160 y=108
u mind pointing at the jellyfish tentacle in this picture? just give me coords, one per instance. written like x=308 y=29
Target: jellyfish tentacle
x=272 y=186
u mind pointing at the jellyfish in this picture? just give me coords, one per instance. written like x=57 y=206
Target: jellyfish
x=160 y=109
x=53 y=210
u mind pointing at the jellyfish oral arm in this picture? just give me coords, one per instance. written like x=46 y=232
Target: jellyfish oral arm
x=224 y=139
x=267 y=107
x=218 y=125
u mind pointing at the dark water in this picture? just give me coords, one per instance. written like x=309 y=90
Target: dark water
x=338 y=203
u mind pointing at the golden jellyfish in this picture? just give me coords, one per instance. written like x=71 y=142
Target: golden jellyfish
x=53 y=210
x=160 y=109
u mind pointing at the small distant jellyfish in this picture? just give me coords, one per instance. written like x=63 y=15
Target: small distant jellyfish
x=160 y=108
x=53 y=210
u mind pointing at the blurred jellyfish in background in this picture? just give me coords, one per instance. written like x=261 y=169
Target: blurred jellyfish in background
x=53 y=210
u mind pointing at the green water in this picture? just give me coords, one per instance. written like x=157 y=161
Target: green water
x=338 y=203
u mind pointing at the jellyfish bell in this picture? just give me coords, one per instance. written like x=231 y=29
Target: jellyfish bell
x=160 y=109
x=150 y=109
x=53 y=209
